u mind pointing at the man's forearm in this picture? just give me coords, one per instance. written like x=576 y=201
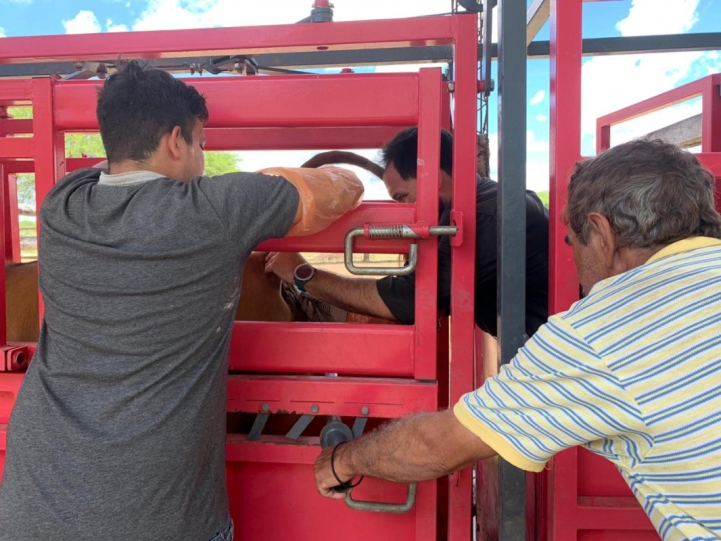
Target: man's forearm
x=413 y=449
x=359 y=295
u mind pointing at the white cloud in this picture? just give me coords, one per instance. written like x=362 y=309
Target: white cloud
x=652 y=17
x=542 y=118
x=533 y=144
x=85 y=22
x=169 y=14
x=537 y=169
x=21 y=2
x=2 y=32
x=111 y=27
x=538 y=97
x=642 y=76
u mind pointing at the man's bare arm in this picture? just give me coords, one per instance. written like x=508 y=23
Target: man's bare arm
x=359 y=295
x=416 y=448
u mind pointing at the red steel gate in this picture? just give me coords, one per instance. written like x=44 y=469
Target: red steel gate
x=384 y=371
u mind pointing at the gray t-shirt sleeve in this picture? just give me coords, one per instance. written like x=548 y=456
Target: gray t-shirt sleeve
x=252 y=206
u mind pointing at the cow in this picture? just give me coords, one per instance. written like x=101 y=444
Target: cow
x=261 y=298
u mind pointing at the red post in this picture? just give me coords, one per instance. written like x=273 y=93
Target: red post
x=11 y=218
x=463 y=259
x=3 y=322
x=429 y=164
x=49 y=146
x=711 y=119
x=559 y=484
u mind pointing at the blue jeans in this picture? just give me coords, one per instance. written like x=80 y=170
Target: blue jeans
x=226 y=534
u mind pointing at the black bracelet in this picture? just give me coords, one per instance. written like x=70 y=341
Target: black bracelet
x=345 y=484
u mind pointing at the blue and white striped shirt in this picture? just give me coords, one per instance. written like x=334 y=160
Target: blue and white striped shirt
x=633 y=373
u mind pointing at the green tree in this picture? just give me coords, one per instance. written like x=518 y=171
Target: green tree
x=219 y=163
x=78 y=145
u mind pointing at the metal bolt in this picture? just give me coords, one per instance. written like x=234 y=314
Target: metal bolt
x=265 y=408
x=365 y=410
x=451 y=86
x=314 y=408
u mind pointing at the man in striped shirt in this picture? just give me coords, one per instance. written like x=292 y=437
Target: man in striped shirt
x=632 y=371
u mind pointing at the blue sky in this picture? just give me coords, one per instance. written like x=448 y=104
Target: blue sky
x=609 y=82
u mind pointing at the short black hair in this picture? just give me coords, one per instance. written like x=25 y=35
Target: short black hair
x=137 y=106
x=402 y=153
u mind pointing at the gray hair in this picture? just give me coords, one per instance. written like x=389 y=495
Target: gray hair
x=653 y=193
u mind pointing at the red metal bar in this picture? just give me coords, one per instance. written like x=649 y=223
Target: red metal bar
x=711 y=161
x=49 y=148
x=4 y=240
x=374 y=350
x=711 y=118
x=298 y=100
x=11 y=218
x=15 y=92
x=428 y=185
x=385 y=398
x=331 y=240
x=18 y=166
x=15 y=126
x=660 y=101
x=228 y=41
x=463 y=258
x=558 y=486
x=308 y=138
x=9 y=388
x=16 y=147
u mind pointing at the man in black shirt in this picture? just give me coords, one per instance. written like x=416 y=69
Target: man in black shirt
x=393 y=297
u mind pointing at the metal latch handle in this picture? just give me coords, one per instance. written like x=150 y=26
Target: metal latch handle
x=380 y=507
x=392 y=232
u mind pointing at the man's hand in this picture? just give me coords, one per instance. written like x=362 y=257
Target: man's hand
x=283 y=264
x=324 y=478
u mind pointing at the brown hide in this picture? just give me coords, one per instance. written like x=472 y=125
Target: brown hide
x=21 y=302
x=260 y=298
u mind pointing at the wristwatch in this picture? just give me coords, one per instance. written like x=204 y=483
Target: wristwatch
x=303 y=274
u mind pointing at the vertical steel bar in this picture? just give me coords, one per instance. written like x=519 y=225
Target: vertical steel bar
x=49 y=150
x=711 y=116
x=429 y=141
x=3 y=212
x=511 y=239
x=463 y=258
x=560 y=483
x=12 y=221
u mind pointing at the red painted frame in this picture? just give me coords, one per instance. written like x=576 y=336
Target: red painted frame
x=309 y=110
x=582 y=496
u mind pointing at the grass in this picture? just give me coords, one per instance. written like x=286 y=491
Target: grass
x=543 y=196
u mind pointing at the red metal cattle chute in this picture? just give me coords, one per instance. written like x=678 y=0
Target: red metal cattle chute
x=385 y=372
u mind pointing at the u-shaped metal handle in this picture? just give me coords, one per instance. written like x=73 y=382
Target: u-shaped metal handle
x=380 y=507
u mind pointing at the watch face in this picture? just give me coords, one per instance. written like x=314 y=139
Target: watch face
x=304 y=272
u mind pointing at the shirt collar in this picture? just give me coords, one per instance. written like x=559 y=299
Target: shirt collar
x=131 y=177
x=691 y=243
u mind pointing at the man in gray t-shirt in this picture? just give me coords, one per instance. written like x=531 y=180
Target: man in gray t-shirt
x=118 y=432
